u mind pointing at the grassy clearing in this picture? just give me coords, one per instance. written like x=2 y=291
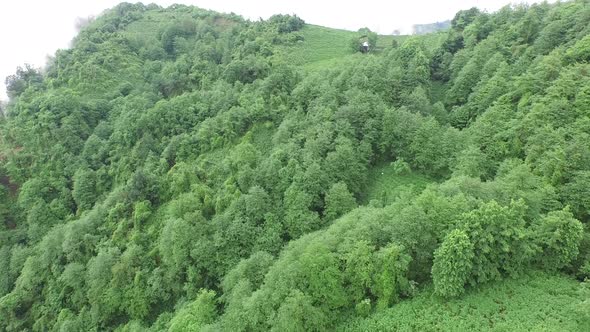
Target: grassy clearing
x=536 y=302
x=325 y=47
x=384 y=183
x=319 y=45
x=324 y=43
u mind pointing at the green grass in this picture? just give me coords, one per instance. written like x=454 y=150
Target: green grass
x=536 y=302
x=319 y=44
x=325 y=47
x=324 y=43
x=384 y=183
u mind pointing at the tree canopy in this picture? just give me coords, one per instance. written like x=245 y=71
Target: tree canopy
x=185 y=170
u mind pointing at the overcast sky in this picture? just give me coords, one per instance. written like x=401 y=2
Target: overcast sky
x=32 y=29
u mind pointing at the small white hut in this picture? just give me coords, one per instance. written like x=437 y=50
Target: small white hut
x=365 y=46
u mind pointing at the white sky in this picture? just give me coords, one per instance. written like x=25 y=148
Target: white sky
x=32 y=29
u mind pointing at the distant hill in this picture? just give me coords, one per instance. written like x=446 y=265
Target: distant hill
x=422 y=29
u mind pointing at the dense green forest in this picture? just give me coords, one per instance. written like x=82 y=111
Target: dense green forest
x=180 y=169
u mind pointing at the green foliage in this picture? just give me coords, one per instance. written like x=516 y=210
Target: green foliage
x=500 y=240
x=183 y=169
x=286 y=23
x=559 y=236
x=5 y=281
x=175 y=244
x=84 y=191
x=400 y=167
x=580 y=51
x=24 y=78
x=453 y=262
x=390 y=278
x=195 y=315
x=338 y=201
x=306 y=286
x=363 y=308
x=298 y=314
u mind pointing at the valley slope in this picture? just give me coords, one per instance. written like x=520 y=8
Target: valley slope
x=185 y=170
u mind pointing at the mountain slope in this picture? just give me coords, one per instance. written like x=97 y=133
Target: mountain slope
x=180 y=169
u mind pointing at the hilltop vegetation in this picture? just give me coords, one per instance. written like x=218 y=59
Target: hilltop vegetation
x=535 y=302
x=184 y=170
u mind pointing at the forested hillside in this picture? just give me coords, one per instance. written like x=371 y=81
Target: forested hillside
x=180 y=169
